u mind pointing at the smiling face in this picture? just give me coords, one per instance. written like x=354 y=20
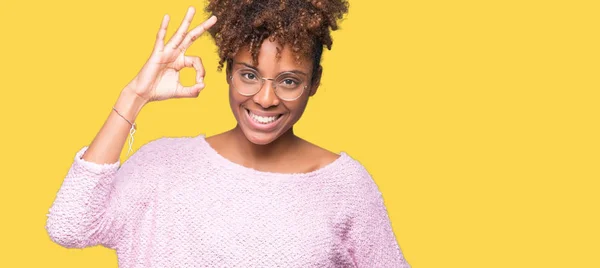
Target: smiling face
x=264 y=117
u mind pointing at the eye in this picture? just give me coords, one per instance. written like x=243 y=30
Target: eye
x=289 y=82
x=248 y=76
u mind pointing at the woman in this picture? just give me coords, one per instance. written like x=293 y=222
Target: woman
x=254 y=196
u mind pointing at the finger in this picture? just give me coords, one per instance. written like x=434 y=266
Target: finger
x=198 y=31
x=196 y=62
x=160 y=36
x=182 y=31
x=191 y=61
x=189 y=92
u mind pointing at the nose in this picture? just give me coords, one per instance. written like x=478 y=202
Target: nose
x=266 y=96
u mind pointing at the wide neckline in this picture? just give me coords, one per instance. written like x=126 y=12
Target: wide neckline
x=226 y=163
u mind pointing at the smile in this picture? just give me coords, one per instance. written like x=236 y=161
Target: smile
x=263 y=122
x=263 y=119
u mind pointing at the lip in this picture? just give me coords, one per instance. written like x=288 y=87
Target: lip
x=263 y=127
x=260 y=113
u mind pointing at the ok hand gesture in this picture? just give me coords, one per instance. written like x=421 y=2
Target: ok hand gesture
x=159 y=77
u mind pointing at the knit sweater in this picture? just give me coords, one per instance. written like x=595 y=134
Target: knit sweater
x=176 y=202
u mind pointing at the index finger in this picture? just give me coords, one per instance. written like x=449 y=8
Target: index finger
x=181 y=31
x=198 y=30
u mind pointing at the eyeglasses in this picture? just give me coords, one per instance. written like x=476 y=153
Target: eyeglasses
x=288 y=86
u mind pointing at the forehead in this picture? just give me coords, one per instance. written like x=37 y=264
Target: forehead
x=268 y=60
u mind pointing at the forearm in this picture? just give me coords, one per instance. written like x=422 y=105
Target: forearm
x=108 y=143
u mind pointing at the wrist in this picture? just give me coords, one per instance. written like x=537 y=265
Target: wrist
x=129 y=104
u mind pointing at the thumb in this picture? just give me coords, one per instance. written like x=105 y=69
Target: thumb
x=189 y=92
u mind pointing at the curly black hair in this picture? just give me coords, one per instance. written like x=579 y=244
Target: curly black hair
x=303 y=24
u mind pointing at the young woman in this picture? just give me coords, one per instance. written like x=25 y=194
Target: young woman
x=254 y=196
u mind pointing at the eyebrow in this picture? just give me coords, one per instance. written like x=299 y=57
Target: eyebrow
x=254 y=68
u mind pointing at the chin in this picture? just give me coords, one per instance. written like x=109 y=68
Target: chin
x=260 y=139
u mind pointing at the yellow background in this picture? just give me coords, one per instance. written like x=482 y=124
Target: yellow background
x=479 y=120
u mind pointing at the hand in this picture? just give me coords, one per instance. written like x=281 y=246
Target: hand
x=159 y=77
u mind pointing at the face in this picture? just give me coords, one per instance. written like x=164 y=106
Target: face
x=264 y=117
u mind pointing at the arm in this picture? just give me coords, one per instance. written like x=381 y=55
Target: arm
x=96 y=201
x=81 y=214
x=78 y=217
x=108 y=143
x=372 y=238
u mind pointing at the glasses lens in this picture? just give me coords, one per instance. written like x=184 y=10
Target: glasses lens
x=289 y=86
x=246 y=82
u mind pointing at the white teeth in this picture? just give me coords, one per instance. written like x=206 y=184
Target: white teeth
x=263 y=119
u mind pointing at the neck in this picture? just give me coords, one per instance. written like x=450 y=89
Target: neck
x=256 y=153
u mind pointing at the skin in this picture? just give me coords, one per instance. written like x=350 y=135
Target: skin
x=279 y=150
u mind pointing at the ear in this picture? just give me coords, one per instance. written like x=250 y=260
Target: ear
x=227 y=75
x=228 y=71
x=316 y=81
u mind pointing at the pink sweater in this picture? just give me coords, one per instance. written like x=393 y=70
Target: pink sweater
x=177 y=203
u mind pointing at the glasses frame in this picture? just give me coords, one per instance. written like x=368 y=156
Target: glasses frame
x=262 y=80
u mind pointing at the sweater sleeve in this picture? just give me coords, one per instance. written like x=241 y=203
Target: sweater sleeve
x=373 y=241
x=85 y=210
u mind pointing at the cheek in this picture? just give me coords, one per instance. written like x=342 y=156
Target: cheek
x=297 y=109
x=234 y=103
x=235 y=99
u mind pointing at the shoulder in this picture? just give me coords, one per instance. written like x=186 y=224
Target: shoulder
x=358 y=177
x=159 y=148
x=147 y=149
x=152 y=157
x=358 y=171
x=153 y=161
x=365 y=192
